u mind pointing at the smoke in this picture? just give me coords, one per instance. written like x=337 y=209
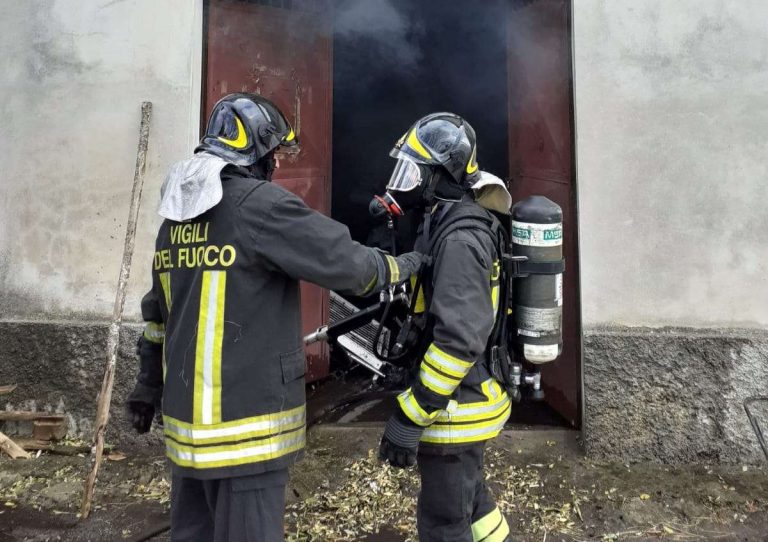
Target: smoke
x=398 y=60
x=378 y=24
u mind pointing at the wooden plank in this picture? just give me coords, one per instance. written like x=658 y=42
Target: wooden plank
x=11 y=448
x=32 y=444
x=28 y=416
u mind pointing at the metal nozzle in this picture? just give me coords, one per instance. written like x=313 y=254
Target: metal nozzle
x=321 y=334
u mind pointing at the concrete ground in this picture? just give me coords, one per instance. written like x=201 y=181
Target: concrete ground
x=546 y=487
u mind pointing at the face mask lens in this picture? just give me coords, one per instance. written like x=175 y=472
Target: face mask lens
x=405 y=177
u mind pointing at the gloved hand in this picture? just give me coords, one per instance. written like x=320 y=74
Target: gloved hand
x=409 y=264
x=145 y=399
x=400 y=441
x=141 y=406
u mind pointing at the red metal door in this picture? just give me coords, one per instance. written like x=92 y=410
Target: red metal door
x=284 y=54
x=541 y=162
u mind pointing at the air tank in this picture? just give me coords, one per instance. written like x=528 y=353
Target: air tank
x=537 y=234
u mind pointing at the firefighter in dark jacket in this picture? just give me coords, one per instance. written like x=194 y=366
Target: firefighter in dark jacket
x=222 y=342
x=454 y=405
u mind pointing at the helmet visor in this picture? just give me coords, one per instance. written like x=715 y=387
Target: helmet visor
x=406 y=175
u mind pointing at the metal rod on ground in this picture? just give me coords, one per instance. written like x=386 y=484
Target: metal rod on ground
x=105 y=395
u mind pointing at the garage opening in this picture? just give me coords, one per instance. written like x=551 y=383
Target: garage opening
x=353 y=75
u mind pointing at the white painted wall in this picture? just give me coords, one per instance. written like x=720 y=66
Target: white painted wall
x=72 y=77
x=672 y=145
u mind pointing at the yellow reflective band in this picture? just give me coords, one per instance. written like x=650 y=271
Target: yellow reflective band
x=413 y=410
x=438 y=383
x=500 y=534
x=486 y=525
x=450 y=433
x=218 y=339
x=414 y=143
x=290 y=137
x=165 y=284
x=487 y=412
x=494 y=406
x=472 y=164
x=495 y=288
x=394 y=270
x=371 y=284
x=496 y=272
x=256 y=426
x=446 y=363
x=235 y=454
x=241 y=141
x=154 y=332
x=210 y=331
x=421 y=304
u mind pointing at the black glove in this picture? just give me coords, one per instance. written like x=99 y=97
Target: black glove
x=400 y=441
x=141 y=406
x=146 y=396
x=409 y=264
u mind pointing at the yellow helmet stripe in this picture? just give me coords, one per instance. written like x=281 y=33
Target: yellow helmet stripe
x=472 y=164
x=290 y=137
x=241 y=141
x=415 y=144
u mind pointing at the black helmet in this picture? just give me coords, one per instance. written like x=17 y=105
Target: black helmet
x=439 y=139
x=244 y=128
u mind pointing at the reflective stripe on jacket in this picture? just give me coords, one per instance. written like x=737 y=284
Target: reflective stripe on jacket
x=226 y=287
x=453 y=395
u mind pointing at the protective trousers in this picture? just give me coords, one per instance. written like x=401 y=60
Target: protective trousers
x=242 y=509
x=455 y=505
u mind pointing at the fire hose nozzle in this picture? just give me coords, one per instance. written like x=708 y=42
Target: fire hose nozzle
x=321 y=334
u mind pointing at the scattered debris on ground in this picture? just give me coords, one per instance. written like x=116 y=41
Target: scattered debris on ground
x=340 y=492
x=371 y=497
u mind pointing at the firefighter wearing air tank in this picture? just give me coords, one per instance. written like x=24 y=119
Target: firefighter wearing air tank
x=454 y=404
x=223 y=342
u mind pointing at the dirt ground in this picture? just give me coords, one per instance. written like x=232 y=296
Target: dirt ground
x=545 y=486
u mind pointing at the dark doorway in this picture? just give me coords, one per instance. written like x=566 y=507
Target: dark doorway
x=352 y=75
x=399 y=60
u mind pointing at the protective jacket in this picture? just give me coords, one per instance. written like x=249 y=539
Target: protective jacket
x=225 y=285
x=454 y=395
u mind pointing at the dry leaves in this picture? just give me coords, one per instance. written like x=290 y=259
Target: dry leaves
x=158 y=489
x=373 y=496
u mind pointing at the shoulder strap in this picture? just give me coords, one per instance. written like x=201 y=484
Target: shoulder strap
x=454 y=221
x=463 y=221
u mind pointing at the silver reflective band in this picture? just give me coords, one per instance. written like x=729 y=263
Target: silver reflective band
x=447 y=365
x=455 y=433
x=406 y=175
x=437 y=385
x=269 y=425
x=485 y=409
x=271 y=449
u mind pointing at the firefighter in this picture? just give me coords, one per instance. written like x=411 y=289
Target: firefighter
x=454 y=405
x=222 y=342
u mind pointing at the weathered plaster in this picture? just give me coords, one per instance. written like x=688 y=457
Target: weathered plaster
x=671 y=117
x=74 y=76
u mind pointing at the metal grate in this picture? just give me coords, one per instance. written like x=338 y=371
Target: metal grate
x=358 y=343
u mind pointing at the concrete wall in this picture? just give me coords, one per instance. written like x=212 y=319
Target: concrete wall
x=73 y=77
x=671 y=119
x=671 y=122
